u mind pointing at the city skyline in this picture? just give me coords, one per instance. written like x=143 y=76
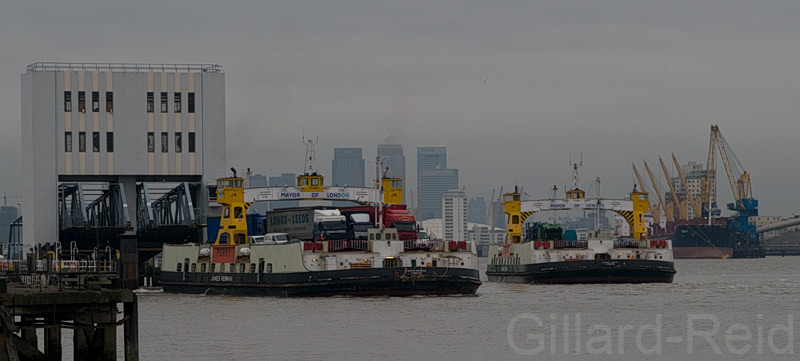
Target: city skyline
x=509 y=90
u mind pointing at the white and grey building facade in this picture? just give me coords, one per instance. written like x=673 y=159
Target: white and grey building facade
x=121 y=123
x=454 y=215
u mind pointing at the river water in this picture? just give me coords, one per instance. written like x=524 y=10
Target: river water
x=706 y=314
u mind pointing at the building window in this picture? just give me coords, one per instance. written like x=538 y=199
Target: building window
x=82 y=102
x=163 y=102
x=82 y=142
x=151 y=142
x=95 y=101
x=191 y=142
x=67 y=101
x=109 y=102
x=150 y=102
x=191 y=102
x=95 y=142
x=68 y=142
x=177 y=102
x=110 y=142
x=164 y=142
x=178 y=143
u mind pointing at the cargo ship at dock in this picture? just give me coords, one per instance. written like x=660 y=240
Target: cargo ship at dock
x=544 y=257
x=383 y=264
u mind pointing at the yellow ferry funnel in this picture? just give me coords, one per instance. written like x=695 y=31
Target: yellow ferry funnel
x=511 y=207
x=392 y=190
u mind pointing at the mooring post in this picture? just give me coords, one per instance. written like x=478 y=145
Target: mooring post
x=109 y=333
x=129 y=254
x=79 y=338
x=132 y=329
x=52 y=340
x=29 y=333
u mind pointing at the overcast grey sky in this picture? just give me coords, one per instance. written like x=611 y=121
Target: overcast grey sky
x=511 y=88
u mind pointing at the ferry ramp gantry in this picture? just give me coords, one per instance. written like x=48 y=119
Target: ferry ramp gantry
x=633 y=209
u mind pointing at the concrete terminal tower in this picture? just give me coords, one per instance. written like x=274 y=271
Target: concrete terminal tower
x=117 y=124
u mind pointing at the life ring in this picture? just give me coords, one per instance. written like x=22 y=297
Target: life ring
x=73 y=266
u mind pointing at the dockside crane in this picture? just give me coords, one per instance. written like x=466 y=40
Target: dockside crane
x=696 y=206
x=669 y=215
x=683 y=212
x=655 y=209
x=744 y=204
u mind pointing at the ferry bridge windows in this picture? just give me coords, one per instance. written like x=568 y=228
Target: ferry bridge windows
x=177 y=102
x=163 y=102
x=226 y=213
x=95 y=102
x=81 y=142
x=67 y=101
x=237 y=212
x=240 y=238
x=82 y=102
x=109 y=102
x=150 y=105
x=68 y=142
x=223 y=238
x=151 y=142
x=515 y=219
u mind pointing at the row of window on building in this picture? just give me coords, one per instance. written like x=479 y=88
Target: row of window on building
x=151 y=142
x=176 y=98
x=151 y=146
x=95 y=142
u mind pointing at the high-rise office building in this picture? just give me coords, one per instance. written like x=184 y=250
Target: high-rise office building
x=392 y=154
x=433 y=180
x=476 y=210
x=347 y=167
x=454 y=215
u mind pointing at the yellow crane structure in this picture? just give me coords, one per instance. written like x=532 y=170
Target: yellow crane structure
x=667 y=212
x=655 y=209
x=683 y=212
x=695 y=203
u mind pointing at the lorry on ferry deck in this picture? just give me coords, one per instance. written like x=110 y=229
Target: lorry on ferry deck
x=358 y=224
x=394 y=216
x=307 y=223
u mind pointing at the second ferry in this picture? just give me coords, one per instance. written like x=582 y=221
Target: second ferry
x=543 y=256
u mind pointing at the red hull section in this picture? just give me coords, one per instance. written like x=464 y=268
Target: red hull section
x=702 y=252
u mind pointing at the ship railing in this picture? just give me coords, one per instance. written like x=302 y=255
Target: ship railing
x=13 y=266
x=438 y=246
x=349 y=245
x=60 y=266
x=417 y=245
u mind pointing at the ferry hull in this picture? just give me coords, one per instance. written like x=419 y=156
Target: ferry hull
x=397 y=281
x=584 y=272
